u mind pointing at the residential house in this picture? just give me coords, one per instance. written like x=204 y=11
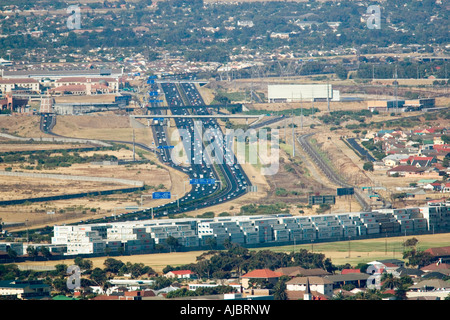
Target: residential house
x=359 y=280
x=405 y=171
x=399 y=263
x=436 y=267
x=24 y=289
x=393 y=160
x=348 y=271
x=260 y=274
x=422 y=162
x=442 y=147
x=302 y=272
x=410 y=272
x=384 y=266
x=180 y=274
x=446 y=187
x=440 y=254
x=423 y=182
x=318 y=287
x=435 y=186
x=432 y=287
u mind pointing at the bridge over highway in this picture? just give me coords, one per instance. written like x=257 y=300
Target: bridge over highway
x=209 y=116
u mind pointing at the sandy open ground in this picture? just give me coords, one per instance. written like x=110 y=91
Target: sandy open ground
x=151 y=174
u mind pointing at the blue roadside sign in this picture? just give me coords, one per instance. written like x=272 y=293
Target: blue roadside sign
x=161 y=195
x=202 y=181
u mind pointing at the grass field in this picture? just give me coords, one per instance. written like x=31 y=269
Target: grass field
x=338 y=252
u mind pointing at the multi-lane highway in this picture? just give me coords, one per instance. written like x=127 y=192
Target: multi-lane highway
x=230 y=181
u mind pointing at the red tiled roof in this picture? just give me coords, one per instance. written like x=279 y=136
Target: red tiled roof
x=182 y=272
x=440 y=251
x=390 y=291
x=24 y=80
x=436 y=266
x=262 y=273
x=105 y=297
x=422 y=158
x=406 y=169
x=436 y=201
x=390 y=265
x=347 y=271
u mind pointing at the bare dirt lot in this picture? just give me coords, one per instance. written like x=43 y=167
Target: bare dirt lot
x=21 y=125
x=14 y=147
x=108 y=126
x=102 y=126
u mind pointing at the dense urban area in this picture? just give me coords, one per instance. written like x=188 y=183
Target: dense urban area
x=217 y=150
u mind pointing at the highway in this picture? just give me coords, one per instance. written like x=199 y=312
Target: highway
x=230 y=179
x=204 y=116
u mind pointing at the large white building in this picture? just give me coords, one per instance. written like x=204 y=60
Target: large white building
x=142 y=236
x=301 y=92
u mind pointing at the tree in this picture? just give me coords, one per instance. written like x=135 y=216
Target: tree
x=45 y=252
x=173 y=243
x=12 y=254
x=98 y=276
x=368 y=166
x=341 y=72
x=32 y=252
x=389 y=281
x=418 y=258
x=412 y=242
x=60 y=285
x=61 y=269
x=83 y=264
x=280 y=288
x=113 y=265
x=211 y=242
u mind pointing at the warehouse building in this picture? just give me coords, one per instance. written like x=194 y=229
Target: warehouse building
x=301 y=92
x=192 y=233
x=400 y=105
x=81 y=108
x=46 y=74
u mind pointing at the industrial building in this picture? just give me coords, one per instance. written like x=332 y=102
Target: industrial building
x=23 y=85
x=194 y=234
x=41 y=75
x=301 y=92
x=81 y=108
x=400 y=105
